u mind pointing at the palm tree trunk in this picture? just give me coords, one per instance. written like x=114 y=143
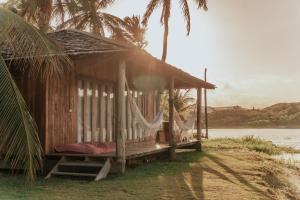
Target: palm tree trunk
x=95 y=26
x=165 y=41
x=44 y=15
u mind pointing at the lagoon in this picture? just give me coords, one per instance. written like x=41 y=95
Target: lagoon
x=285 y=137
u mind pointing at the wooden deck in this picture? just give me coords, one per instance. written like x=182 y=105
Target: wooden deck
x=132 y=151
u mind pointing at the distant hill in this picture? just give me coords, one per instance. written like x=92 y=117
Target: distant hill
x=281 y=115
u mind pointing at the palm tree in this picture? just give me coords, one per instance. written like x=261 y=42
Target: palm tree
x=131 y=31
x=184 y=102
x=165 y=16
x=80 y=14
x=37 y=12
x=89 y=15
x=21 y=43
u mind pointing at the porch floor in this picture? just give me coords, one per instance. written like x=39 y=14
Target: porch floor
x=133 y=151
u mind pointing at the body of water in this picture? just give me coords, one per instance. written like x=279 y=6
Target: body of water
x=285 y=137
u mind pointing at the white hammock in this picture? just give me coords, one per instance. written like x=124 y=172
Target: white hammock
x=190 y=122
x=148 y=126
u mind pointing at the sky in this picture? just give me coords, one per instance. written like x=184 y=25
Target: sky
x=250 y=48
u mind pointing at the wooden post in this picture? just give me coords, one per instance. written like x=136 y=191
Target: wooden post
x=95 y=97
x=121 y=120
x=85 y=112
x=171 y=120
x=102 y=113
x=138 y=127
x=158 y=97
x=109 y=114
x=205 y=102
x=129 y=120
x=199 y=134
x=133 y=121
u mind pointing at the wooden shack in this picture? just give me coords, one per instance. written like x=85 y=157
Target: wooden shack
x=90 y=103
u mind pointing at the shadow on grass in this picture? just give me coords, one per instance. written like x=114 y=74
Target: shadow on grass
x=180 y=179
x=241 y=179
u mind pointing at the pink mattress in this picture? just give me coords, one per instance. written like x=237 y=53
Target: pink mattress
x=86 y=148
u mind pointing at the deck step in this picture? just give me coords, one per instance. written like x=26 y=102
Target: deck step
x=74 y=174
x=76 y=168
x=81 y=164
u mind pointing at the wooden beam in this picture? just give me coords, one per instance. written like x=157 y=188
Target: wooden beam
x=121 y=120
x=158 y=99
x=95 y=96
x=129 y=118
x=138 y=127
x=109 y=114
x=85 y=112
x=102 y=113
x=199 y=115
x=46 y=148
x=134 y=129
x=205 y=101
x=172 y=141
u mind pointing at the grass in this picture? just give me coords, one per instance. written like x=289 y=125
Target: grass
x=249 y=143
x=217 y=173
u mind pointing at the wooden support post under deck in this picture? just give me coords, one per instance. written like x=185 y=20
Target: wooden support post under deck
x=121 y=118
x=199 y=129
x=171 y=120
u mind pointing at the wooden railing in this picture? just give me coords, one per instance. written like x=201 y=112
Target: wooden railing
x=96 y=113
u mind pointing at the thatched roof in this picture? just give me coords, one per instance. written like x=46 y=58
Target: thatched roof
x=76 y=42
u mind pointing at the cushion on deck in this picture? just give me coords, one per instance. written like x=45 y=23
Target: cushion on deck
x=86 y=148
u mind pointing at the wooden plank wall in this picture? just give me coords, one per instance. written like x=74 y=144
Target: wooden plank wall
x=54 y=105
x=32 y=90
x=61 y=123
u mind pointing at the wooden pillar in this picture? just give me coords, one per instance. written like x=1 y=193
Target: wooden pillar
x=85 y=112
x=205 y=106
x=129 y=118
x=133 y=120
x=95 y=96
x=102 y=113
x=140 y=106
x=172 y=141
x=158 y=97
x=109 y=114
x=121 y=120
x=199 y=129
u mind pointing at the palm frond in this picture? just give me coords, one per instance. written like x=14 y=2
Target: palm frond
x=186 y=13
x=32 y=50
x=153 y=4
x=166 y=11
x=104 y=4
x=18 y=132
x=201 y=4
x=27 y=44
